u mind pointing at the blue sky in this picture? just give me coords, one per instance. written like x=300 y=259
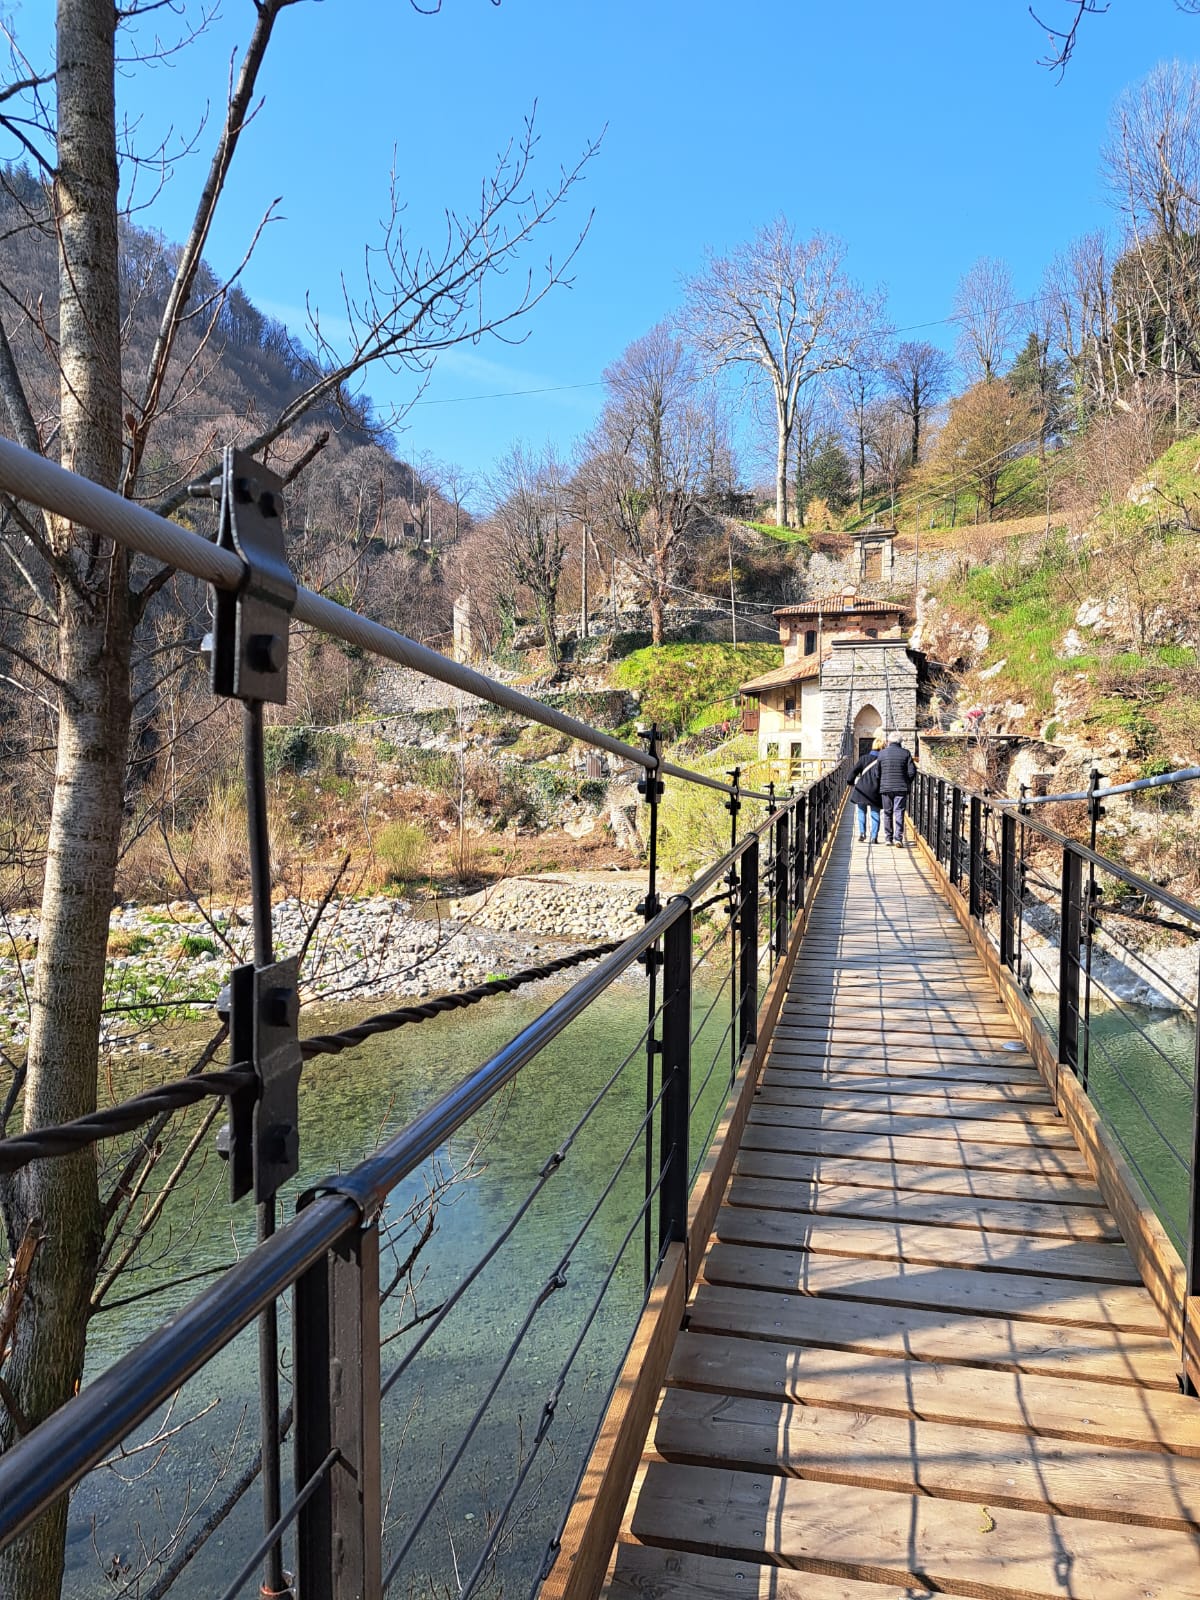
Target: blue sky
x=924 y=133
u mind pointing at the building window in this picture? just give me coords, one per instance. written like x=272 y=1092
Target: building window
x=789 y=707
x=872 y=633
x=810 y=641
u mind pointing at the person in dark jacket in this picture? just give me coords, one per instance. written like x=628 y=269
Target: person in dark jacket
x=897 y=769
x=863 y=784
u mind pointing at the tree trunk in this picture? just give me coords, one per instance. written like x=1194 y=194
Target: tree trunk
x=781 y=459
x=656 y=616
x=94 y=632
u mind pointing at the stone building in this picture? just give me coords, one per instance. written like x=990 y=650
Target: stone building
x=847 y=669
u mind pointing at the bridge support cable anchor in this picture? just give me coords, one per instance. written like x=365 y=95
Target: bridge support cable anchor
x=248 y=658
x=650 y=787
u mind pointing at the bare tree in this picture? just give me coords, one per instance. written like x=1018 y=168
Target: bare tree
x=888 y=439
x=646 y=460
x=1152 y=162
x=783 y=311
x=918 y=374
x=1062 y=31
x=531 y=519
x=988 y=317
x=90 y=598
x=857 y=391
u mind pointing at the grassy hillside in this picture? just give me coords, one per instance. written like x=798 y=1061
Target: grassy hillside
x=1096 y=631
x=688 y=687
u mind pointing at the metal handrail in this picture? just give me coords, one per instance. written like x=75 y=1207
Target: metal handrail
x=1161 y=780
x=49 y=1461
x=32 y=477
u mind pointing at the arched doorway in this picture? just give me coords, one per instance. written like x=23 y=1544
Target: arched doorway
x=867 y=724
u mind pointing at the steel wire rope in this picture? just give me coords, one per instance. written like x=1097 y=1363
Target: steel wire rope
x=268 y=1541
x=1160 y=981
x=1099 y=1039
x=712 y=944
x=1165 y=1216
x=66 y=1137
x=1121 y=1007
x=550 y=1408
x=699 y=1095
x=553 y=1163
x=557 y=1280
x=704 y=1020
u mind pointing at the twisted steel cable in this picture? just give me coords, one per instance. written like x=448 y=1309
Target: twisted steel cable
x=325 y=1044
x=68 y=1137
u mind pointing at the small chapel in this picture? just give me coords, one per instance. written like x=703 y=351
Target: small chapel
x=847 y=668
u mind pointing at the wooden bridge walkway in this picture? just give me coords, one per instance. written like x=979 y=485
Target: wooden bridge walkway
x=918 y=1357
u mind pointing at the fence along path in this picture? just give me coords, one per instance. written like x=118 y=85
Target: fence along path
x=918 y=1356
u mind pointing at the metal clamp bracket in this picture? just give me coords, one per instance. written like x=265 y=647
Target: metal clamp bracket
x=262 y=1141
x=249 y=640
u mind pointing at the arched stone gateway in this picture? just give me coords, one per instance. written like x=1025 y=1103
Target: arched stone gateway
x=867 y=723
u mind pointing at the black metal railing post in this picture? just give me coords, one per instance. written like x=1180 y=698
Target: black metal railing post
x=956 y=815
x=733 y=882
x=337 y=1410
x=1090 y=899
x=975 y=860
x=675 y=1154
x=748 y=948
x=1008 y=890
x=1071 y=918
x=803 y=867
x=650 y=788
x=939 y=844
x=783 y=893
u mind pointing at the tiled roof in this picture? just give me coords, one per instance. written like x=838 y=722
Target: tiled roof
x=841 y=608
x=795 y=672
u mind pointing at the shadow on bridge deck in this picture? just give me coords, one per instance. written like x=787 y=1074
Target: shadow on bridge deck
x=917 y=1356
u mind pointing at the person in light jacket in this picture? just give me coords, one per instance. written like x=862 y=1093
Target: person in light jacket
x=897 y=769
x=863 y=784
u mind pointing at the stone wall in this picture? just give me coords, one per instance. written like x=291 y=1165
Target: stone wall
x=879 y=674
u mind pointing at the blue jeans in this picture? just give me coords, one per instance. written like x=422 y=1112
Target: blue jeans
x=893 y=817
x=862 y=821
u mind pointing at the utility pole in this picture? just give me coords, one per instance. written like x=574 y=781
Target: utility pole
x=583 y=604
x=732 y=592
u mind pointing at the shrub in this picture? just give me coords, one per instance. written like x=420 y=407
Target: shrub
x=197 y=944
x=402 y=849
x=125 y=942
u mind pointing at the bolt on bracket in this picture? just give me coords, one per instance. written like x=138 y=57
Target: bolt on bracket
x=248 y=645
x=262 y=1140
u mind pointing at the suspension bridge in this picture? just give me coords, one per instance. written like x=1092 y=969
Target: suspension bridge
x=889 y=1289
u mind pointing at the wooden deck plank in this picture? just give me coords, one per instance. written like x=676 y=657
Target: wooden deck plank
x=893 y=1087
x=1013 y=1402
x=807 y=1067
x=923 y=1245
x=774 y=1130
x=1106 y=1355
x=911 y=1102
x=911 y=1120
x=764 y=1144
x=871 y=1533
x=640 y=1572
x=951 y=1461
x=1077 y=1303
x=892 y=1205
